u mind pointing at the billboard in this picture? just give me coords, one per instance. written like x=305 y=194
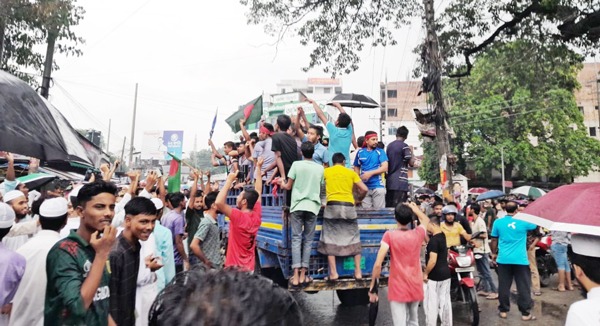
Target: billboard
x=157 y=143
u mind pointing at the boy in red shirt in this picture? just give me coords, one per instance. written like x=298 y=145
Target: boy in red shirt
x=244 y=221
x=405 y=286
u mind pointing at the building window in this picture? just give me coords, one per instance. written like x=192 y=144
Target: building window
x=383 y=113
x=309 y=90
x=382 y=96
x=338 y=90
x=392 y=112
x=592 y=131
x=392 y=93
x=581 y=110
x=327 y=90
x=283 y=90
x=392 y=130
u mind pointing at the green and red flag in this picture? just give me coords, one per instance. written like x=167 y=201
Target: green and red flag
x=251 y=111
x=174 y=181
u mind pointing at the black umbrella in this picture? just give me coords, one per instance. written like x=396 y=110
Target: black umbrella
x=33 y=127
x=374 y=306
x=424 y=191
x=355 y=101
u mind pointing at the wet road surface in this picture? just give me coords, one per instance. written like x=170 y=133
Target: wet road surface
x=324 y=308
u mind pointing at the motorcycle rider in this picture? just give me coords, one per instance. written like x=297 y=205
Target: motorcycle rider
x=453 y=231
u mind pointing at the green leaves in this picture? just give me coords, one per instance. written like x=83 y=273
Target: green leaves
x=520 y=97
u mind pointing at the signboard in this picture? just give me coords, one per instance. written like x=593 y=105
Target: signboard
x=324 y=81
x=157 y=143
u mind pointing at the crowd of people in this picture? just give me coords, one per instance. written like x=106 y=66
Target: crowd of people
x=101 y=255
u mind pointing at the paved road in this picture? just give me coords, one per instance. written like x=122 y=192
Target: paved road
x=324 y=308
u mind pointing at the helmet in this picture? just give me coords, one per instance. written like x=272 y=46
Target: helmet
x=449 y=209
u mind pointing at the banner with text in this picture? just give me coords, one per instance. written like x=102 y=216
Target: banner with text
x=157 y=143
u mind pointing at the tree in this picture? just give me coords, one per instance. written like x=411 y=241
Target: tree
x=339 y=29
x=201 y=160
x=519 y=97
x=429 y=171
x=24 y=27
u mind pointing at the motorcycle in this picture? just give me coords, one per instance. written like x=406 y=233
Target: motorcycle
x=461 y=262
x=545 y=261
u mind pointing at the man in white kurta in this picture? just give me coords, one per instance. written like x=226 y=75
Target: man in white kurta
x=28 y=303
x=586 y=266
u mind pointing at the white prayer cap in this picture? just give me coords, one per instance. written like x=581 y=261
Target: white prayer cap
x=7 y=216
x=55 y=207
x=157 y=203
x=74 y=192
x=13 y=194
x=586 y=245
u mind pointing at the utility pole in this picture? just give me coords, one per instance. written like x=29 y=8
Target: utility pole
x=433 y=68
x=123 y=153
x=108 y=139
x=502 y=159
x=133 y=127
x=45 y=90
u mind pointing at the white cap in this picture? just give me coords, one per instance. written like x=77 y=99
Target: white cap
x=13 y=194
x=157 y=203
x=586 y=245
x=55 y=207
x=75 y=192
x=7 y=216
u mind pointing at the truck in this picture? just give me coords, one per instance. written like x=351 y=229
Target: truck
x=274 y=249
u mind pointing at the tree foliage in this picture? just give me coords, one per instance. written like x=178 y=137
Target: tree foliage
x=429 y=171
x=201 y=160
x=27 y=25
x=338 y=30
x=520 y=97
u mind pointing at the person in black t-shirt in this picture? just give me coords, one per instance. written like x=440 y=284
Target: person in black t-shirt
x=284 y=146
x=437 y=277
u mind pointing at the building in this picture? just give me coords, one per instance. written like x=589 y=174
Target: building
x=588 y=101
x=398 y=99
x=318 y=89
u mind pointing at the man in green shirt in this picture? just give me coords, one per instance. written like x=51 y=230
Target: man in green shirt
x=77 y=267
x=305 y=205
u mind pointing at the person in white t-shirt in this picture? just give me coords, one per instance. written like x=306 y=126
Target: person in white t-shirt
x=482 y=253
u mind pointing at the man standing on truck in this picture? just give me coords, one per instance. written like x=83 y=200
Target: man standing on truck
x=371 y=163
x=341 y=133
x=244 y=220
x=405 y=286
x=400 y=156
x=306 y=203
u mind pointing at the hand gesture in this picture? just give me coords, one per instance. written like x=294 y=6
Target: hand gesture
x=9 y=157
x=152 y=263
x=300 y=111
x=104 y=168
x=210 y=142
x=207 y=173
x=103 y=245
x=373 y=297
x=232 y=176
x=260 y=162
x=242 y=122
x=151 y=178
x=365 y=176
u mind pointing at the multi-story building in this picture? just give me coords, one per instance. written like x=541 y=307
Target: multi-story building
x=319 y=89
x=588 y=101
x=398 y=99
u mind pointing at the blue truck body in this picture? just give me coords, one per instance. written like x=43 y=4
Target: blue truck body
x=274 y=250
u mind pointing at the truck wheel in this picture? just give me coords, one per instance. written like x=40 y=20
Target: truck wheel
x=356 y=297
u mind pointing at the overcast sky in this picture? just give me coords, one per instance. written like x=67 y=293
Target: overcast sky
x=190 y=57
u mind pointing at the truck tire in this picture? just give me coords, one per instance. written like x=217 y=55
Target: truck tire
x=356 y=297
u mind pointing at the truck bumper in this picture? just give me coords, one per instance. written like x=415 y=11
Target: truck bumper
x=340 y=284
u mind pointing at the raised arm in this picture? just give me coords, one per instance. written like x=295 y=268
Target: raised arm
x=194 y=189
x=243 y=128
x=221 y=200
x=214 y=150
x=318 y=110
x=207 y=184
x=423 y=219
x=301 y=116
x=258 y=183
x=10 y=170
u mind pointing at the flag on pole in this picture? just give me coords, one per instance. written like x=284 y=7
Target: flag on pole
x=251 y=111
x=174 y=181
x=212 y=129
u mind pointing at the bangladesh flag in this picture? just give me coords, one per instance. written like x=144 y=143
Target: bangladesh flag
x=174 y=181
x=252 y=111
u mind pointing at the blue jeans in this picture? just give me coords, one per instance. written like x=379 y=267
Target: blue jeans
x=303 y=225
x=483 y=267
x=559 y=251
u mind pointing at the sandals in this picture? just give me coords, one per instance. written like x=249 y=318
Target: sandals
x=492 y=296
x=529 y=317
x=307 y=280
x=291 y=282
x=331 y=280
